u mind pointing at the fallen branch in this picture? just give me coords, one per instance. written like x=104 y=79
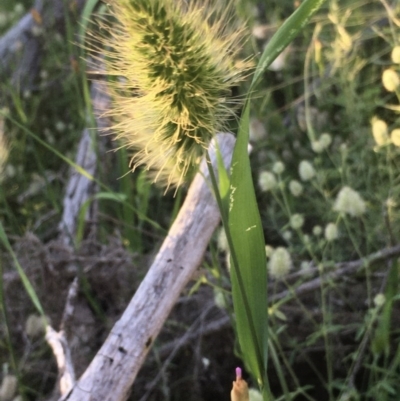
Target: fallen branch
x=340 y=270
x=114 y=368
x=20 y=46
x=80 y=188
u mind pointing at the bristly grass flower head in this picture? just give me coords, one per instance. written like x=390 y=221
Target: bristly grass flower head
x=174 y=67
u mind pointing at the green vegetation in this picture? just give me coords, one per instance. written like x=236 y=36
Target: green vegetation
x=324 y=128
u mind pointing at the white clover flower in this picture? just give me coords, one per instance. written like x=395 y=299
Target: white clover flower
x=266 y=181
x=222 y=242
x=306 y=238
x=19 y=8
x=255 y=395
x=317 y=230
x=296 y=221
x=317 y=146
x=306 y=170
x=396 y=55
x=278 y=168
x=350 y=202
x=260 y=31
x=287 y=235
x=295 y=188
x=280 y=263
x=268 y=251
x=8 y=387
x=325 y=139
x=380 y=131
x=390 y=80
x=331 y=232
x=395 y=137
x=379 y=300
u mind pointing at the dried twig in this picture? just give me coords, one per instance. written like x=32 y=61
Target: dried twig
x=59 y=344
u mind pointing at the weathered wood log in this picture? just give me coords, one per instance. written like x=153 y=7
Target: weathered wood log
x=113 y=370
x=20 y=46
x=80 y=187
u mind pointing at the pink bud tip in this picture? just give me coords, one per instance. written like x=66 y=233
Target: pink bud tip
x=238 y=374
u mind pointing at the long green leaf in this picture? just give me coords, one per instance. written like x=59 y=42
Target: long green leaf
x=249 y=275
x=24 y=278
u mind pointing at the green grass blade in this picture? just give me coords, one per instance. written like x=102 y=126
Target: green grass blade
x=24 y=278
x=285 y=34
x=249 y=276
x=85 y=19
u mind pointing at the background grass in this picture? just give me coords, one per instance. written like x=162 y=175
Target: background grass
x=338 y=342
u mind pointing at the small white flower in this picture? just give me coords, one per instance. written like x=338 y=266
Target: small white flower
x=260 y=31
x=19 y=8
x=395 y=137
x=325 y=139
x=306 y=170
x=280 y=263
x=379 y=300
x=380 y=131
x=296 y=221
x=317 y=230
x=331 y=232
x=317 y=146
x=268 y=250
x=306 y=238
x=396 y=55
x=390 y=80
x=206 y=362
x=350 y=202
x=255 y=395
x=278 y=168
x=287 y=235
x=266 y=181
x=295 y=188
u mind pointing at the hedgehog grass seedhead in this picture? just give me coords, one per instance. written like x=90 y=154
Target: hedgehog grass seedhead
x=174 y=67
